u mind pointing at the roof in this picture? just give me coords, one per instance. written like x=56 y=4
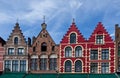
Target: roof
x=23 y=75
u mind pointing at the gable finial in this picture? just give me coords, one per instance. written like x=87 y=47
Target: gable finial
x=73 y=21
x=17 y=24
x=44 y=19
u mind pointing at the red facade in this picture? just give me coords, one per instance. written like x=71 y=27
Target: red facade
x=95 y=55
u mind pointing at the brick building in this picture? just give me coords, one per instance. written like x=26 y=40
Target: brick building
x=2 y=51
x=117 y=43
x=101 y=51
x=16 y=52
x=72 y=51
x=43 y=54
x=95 y=55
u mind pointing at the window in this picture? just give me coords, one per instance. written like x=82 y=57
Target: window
x=94 y=67
x=78 y=51
x=43 y=46
x=15 y=65
x=53 y=48
x=105 y=54
x=105 y=68
x=68 y=66
x=22 y=65
x=10 y=51
x=43 y=63
x=34 y=49
x=20 y=51
x=34 y=64
x=16 y=40
x=99 y=39
x=94 y=54
x=78 y=66
x=68 y=52
x=7 y=65
x=53 y=63
x=73 y=38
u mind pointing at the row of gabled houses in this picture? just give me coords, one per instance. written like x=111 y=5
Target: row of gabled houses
x=74 y=54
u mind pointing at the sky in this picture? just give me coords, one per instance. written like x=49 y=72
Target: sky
x=59 y=15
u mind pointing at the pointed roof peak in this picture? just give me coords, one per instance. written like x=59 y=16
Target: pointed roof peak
x=73 y=22
x=44 y=25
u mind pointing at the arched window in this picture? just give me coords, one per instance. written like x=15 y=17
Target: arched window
x=73 y=38
x=68 y=66
x=16 y=40
x=78 y=66
x=68 y=52
x=78 y=51
x=43 y=46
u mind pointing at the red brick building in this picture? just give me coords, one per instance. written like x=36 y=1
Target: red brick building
x=2 y=51
x=101 y=51
x=72 y=51
x=95 y=55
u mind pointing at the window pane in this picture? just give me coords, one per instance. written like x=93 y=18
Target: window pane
x=15 y=65
x=73 y=38
x=53 y=63
x=94 y=68
x=7 y=65
x=68 y=66
x=43 y=63
x=78 y=66
x=33 y=64
x=105 y=54
x=20 y=51
x=94 y=54
x=22 y=65
x=68 y=52
x=78 y=51
x=105 y=68
x=43 y=47
x=99 y=39
x=10 y=51
x=16 y=40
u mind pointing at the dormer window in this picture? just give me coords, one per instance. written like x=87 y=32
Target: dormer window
x=16 y=40
x=99 y=39
x=73 y=38
x=43 y=46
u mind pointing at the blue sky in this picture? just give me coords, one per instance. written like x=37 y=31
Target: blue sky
x=59 y=15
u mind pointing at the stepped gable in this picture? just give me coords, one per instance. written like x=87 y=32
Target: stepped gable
x=100 y=29
x=16 y=32
x=72 y=28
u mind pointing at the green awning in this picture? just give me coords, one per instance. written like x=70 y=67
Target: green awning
x=23 y=75
x=12 y=75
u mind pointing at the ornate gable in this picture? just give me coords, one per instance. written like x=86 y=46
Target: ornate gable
x=16 y=32
x=100 y=30
x=73 y=29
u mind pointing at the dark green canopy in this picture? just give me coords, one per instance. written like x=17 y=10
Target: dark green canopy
x=24 y=75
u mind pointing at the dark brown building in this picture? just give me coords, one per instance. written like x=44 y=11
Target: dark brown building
x=2 y=51
x=43 y=53
x=16 y=52
x=117 y=42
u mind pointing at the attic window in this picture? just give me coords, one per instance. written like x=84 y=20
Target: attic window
x=99 y=39
x=16 y=40
x=73 y=38
x=43 y=46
